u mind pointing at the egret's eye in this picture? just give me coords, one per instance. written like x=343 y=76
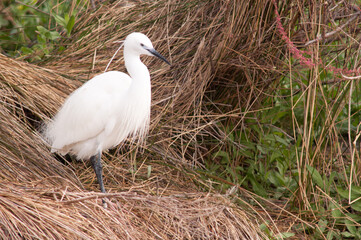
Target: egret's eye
x=142 y=44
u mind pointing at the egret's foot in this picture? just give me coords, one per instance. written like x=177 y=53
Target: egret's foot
x=105 y=204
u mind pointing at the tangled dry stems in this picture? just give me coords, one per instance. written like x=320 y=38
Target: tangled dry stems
x=226 y=57
x=58 y=213
x=42 y=198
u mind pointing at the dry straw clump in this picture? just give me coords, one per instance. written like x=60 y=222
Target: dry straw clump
x=25 y=92
x=44 y=213
x=218 y=49
x=40 y=198
x=223 y=56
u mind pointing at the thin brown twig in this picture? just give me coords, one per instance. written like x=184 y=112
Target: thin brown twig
x=17 y=1
x=329 y=34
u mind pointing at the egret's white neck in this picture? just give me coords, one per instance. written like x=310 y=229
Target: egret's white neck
x=136 y=69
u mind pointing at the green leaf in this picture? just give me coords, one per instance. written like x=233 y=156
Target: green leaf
x=356 y=205
x=276 y=179
x=60 y=20
x=248 y=145
x=331 y=235
x=258 y=188
x=66 y=17
x=347 y=234
x=282 y=140
x=54 y=35
x=316 y=176
x=247 y=153
x=70 y=25
x=322 y=225
x=343 y=192
x=331 y=179
x=275 y=155
x=41 y=40
x=224 y=155
x=26 y=50
x=335 y=211
x=354 y=217
x=262 y=149
x=355 y=192
x=284 y=235
x=264 y=228
x=4 y=36
x=351 y=227
x=42 y=30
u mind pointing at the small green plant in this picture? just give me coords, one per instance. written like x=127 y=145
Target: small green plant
x=291 y=151
x=266 y=163
x=278 y=236
x=32 y=29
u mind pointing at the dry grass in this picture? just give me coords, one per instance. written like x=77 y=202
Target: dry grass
x=226 y=57
x=57 y=213
x=212 y=45
x=42 y=198
x=329 y=36
x=24 y=91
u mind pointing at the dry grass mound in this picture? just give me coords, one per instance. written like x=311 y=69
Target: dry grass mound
x=25 y=92
x=56 y=213
x=223 y=57
x=41 y=198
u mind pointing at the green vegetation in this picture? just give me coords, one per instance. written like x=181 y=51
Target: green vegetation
x=30 y=29
x=296 y=149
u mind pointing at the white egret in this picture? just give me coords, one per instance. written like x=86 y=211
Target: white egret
x=107 y=109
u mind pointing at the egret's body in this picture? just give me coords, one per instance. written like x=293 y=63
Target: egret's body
x=107 y=109
x=101 y=114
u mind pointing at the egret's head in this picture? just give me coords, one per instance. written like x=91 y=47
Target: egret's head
x=140 y=44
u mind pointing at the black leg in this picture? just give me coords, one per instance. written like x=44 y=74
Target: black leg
x=98 y=169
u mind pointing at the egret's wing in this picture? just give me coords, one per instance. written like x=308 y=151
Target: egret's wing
x=86 y=111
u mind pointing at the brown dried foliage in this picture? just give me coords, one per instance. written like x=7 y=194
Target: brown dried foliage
x=212 y=45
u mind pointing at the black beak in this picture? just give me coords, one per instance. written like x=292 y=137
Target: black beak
x=157 y=54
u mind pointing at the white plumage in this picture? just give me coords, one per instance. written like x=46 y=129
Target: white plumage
x=107 y=109
x=100 y=114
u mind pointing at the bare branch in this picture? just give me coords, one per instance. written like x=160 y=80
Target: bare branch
x=327 y=35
